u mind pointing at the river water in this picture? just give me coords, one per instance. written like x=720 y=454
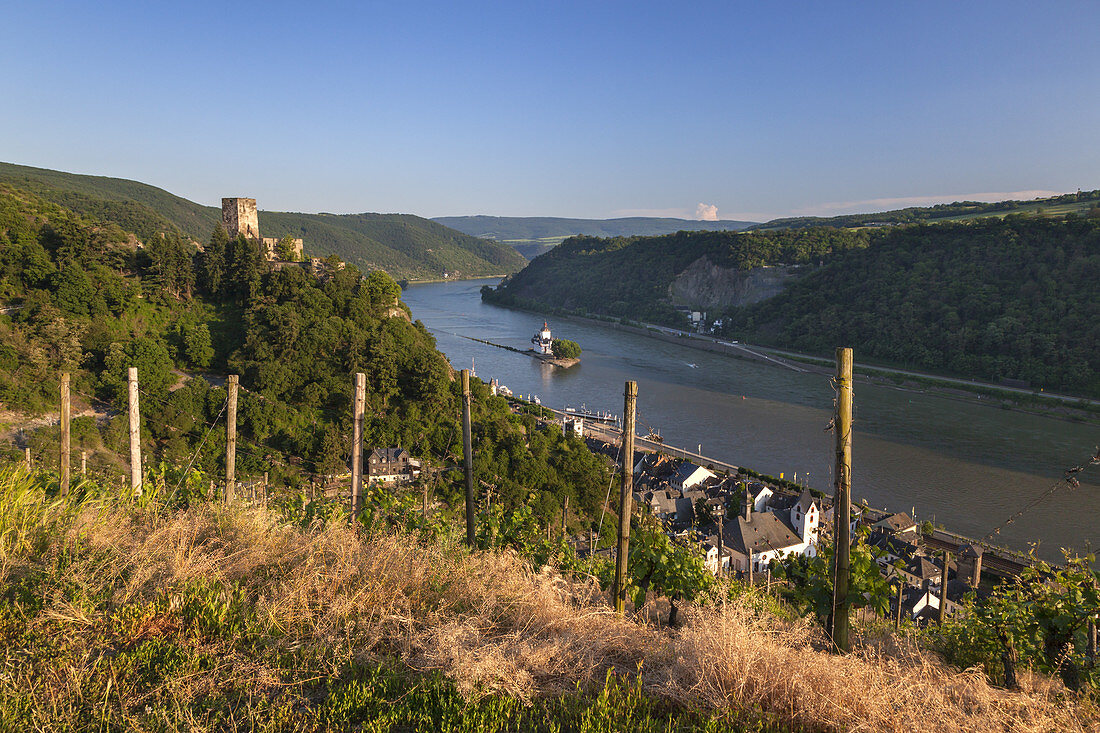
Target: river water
x=967 y=466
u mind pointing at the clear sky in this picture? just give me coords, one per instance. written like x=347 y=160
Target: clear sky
x=588 y=109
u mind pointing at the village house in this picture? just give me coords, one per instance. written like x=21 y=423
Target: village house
x=391 y=466
x=688 y=475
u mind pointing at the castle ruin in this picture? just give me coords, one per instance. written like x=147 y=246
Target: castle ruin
x=240 y=217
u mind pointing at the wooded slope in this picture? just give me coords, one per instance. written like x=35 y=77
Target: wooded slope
x=1017 y=298
x=402 y=244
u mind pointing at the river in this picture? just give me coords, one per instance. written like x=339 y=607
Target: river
x=966 y=466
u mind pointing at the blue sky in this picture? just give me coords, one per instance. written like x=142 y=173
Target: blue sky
x=588 y=109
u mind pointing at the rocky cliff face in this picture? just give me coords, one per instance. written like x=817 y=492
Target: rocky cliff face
x=705 y=285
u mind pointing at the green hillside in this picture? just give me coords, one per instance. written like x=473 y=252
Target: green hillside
x=542 y=228
x=1075 y=203
x=1017 y=298
x=630 y=277
x=402 y=244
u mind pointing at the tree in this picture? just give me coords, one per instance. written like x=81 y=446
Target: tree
x=245 y=267
x=285 y=249
x=72 y=290
x=195 y=343
x=566 y=349
x=213 y=262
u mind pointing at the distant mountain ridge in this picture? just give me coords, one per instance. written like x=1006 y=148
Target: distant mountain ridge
x=404 y=245
x=517 y=228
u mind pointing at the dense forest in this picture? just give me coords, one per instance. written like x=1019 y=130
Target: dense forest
x=1015 y=298
x=83 y=295
x=404 y=245
x=630 y=277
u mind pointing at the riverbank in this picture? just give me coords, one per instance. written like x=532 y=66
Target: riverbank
x=1063 y=407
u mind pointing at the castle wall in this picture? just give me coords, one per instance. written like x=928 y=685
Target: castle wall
x=269 y=248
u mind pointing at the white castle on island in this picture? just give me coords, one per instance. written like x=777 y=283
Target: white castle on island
x=543 y=340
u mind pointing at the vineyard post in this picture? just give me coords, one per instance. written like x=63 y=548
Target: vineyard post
x=630 y=403
x=83 y=463
x=721 y=535
x=842 y=496
x=943 y=589
x=564 y=515
x=231 y=439
x=468 y=457
x=66 y=435
x=135 y=431
x=897 y=612
x=357 y=445
x=264 y=495
x=27 y=456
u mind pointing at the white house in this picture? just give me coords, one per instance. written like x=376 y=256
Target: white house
x=763 y=493
x=689 y=475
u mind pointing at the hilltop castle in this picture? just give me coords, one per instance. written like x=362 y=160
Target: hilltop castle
x=240 y=218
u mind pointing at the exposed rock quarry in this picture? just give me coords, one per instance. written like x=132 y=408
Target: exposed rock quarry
x=705 y=285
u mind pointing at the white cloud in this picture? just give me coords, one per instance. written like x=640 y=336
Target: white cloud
x=885 y=204
x=706 y=212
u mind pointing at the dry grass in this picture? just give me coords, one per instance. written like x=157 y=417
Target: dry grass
x=492 y=624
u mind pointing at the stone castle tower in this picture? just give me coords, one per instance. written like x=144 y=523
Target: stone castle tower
x=239 y=217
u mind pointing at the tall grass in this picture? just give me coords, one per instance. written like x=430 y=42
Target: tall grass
x=122 y=616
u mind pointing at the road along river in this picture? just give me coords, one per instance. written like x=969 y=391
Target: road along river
x=967 y=466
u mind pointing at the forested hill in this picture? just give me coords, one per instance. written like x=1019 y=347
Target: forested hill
x=1017 y=298
x=1081 y=202
x=630 y=277
x=78 y=295
x=402 y=244
x=524 y=228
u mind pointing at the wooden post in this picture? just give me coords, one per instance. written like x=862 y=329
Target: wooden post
x=468 y=457
x=721 y=537
x=591 y=541
x=66 y=435
x=842 y=496
x=27 y=457
x=135 y=432
x=943 y=589
x=83 y=463
x=231 y=439
x=424 y=502
x=626 y=495
x=357 y=445
x=1090 y=643
x=897 y=613
x=264 y=490
x=564 y=516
